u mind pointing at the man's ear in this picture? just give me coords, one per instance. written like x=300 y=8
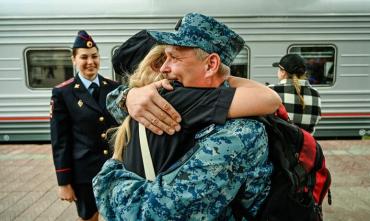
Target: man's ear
x=213 y=64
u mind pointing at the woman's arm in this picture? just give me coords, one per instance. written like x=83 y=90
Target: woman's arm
x=252 y=98
x=61 y=138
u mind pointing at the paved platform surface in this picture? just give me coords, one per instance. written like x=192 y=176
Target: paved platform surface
x=28 y=189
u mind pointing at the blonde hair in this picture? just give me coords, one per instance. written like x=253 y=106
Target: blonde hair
x=297 y=86
x=146 y=73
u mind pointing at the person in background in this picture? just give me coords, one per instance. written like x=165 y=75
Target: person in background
x=300 y=99
x=78 y=122
x=226 y=157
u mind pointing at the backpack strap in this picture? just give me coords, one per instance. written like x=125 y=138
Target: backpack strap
x=283 y=157
x=145 y=153
x=282 y=113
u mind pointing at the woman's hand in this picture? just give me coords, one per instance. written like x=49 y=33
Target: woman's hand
x=67 y=193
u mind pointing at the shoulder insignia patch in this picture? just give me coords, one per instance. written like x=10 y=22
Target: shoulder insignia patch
x=65 y=83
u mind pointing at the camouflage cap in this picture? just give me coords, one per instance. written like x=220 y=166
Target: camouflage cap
x=200 y=31
x=83 y=40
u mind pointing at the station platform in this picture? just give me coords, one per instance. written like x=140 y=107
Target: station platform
x=28 y=189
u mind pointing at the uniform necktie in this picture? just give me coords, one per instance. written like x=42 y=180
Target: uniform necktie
x=95 y=91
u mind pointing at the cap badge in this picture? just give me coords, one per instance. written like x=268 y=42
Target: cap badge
x=89 y=44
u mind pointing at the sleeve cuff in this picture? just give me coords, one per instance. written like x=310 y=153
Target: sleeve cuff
x=223 y=105
x=64 y=177
x=113 y=103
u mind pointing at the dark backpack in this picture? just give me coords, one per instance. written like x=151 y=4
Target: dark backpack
x=300 y=180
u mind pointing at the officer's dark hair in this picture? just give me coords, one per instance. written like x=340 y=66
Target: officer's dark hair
x=74 y=51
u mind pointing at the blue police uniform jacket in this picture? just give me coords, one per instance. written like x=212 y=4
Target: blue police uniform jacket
x=78 y=130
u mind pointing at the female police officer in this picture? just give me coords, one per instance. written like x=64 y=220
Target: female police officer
x=79 y=119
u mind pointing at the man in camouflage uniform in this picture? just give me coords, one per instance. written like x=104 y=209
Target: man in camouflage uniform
x=226 y=159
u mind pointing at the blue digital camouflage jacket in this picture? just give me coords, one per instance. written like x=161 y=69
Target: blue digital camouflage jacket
x=200 y=186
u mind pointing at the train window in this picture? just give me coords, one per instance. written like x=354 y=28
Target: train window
x=320 y=62
x=46 y=68
x=240 y=66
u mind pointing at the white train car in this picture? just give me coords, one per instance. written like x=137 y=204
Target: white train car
x=333 y=37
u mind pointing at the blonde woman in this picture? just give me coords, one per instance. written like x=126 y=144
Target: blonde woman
x=301 y=100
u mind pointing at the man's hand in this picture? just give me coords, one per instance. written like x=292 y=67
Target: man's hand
x=147 y=107
x=67 y=193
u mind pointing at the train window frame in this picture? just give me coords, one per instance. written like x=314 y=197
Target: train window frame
x=44 y=49
x=247 y=62
x=334 y=65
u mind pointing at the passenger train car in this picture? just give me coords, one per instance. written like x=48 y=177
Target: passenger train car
x=333 y=37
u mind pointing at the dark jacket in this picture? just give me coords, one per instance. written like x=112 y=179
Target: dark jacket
x=78 y=125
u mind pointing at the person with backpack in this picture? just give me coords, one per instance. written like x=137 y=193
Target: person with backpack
x=204 y=181
x=301 y=100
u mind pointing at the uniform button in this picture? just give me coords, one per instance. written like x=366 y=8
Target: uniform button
x=105 y=152
x=101 y=119
x=103 y=136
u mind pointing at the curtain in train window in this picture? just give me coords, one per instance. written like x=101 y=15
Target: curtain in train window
x=320 y=63
x=47 y=68
x=240 y=66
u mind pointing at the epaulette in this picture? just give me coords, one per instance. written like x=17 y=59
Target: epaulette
x=108 y=81
x=65 y=83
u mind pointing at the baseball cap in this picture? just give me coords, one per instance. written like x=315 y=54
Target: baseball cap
x=292 y=63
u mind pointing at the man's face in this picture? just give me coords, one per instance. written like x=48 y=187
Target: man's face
x=182 y=65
